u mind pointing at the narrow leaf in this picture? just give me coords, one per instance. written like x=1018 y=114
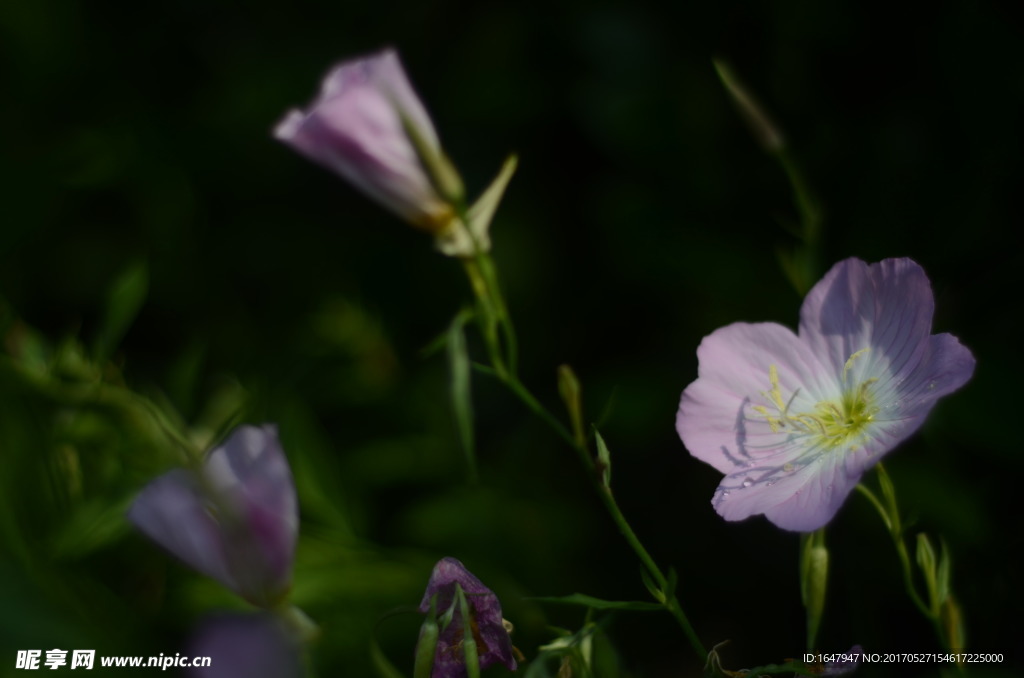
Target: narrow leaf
x=604 y=460
x=462 y=404
x=123 y=302
x=944 y=573
x=653 y=588
x=569 y=389
x=600 y=604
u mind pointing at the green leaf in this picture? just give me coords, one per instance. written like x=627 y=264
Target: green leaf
x=124 y=300
x=944 y=573
x=569 y=389
x=653 y=588
x=599 y=604
x=604 y=460
x=927 y=562
x=671 y=582
x=462 y=404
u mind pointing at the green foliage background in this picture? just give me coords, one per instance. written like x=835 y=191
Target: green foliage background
x=137 y=167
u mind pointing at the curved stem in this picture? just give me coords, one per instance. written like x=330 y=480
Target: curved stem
x=494 y=319
x=895 y=531
x=671 y=602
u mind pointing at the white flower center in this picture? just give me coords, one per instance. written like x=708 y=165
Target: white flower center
x=832 y=423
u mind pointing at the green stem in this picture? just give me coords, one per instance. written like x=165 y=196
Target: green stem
x=494 y=319
x=895 y=531
x=671 y=602
x=143 y=414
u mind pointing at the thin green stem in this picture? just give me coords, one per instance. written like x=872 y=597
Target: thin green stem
x=895 y=531
x=671 y=602
x=494 y=320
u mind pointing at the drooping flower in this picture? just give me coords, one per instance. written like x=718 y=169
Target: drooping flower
x=369 y=126
x=235 y=520
x=795 y=420
x=485 y=621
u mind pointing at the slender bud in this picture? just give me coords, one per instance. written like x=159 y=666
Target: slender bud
x=426 y=647
x=762 y=126
x=814 y=580
x=569 y=389
x=469 y=649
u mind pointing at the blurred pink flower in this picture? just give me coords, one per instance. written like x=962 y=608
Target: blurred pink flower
x=244 y=646
x=235 y=521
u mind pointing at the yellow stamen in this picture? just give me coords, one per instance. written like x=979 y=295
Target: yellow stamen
x=833 y=423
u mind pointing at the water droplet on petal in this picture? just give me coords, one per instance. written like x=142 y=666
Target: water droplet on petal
x=725 y=494
x=770 y=483
x=748 y=482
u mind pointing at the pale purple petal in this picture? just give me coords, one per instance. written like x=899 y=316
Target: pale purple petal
x=885 y=307
x=249 y=474
x=244 y=646
x=493 y=643
x=716 y=420
x=387 y=74
x=173 y=512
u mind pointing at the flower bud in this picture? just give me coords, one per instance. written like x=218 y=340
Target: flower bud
x=369 y=126
x=471 y=628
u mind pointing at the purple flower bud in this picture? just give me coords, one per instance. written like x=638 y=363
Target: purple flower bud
x=236 y=520
x=244 y=646
x=360 y=127
x=492 y=640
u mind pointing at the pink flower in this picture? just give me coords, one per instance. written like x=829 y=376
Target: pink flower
x=244 y=646
x=794 y=421
x=236 y=520
x=357 y=127
x=369 y=126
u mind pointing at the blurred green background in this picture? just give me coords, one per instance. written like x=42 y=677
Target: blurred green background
x=137 y=156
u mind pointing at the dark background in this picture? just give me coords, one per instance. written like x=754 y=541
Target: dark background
x=643 y=216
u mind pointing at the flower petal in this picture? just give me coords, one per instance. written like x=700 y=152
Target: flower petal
x=236 y=522
x=173 y=512
x=717 y=420
x=249 y=475
x=885 y=308
x=244 y=646
x=798 y=496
